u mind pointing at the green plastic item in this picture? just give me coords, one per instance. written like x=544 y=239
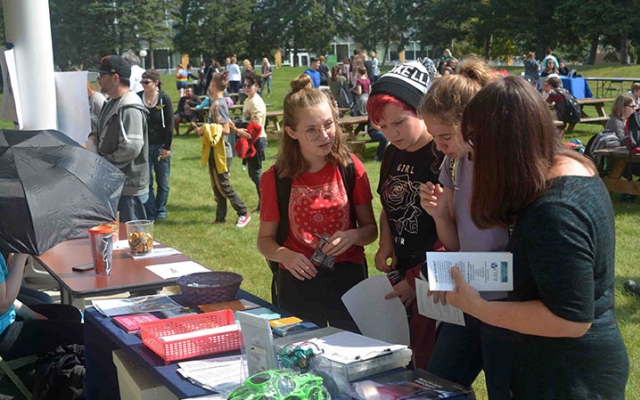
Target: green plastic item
x=281 y=384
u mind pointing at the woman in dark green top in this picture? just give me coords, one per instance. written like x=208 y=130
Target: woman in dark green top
x=561 y=310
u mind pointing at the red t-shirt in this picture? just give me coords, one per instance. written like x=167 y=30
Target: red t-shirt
x=318 y=204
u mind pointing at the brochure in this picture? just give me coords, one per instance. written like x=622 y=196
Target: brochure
x=131 y=323
x=409 y=384
x=489 y=271
x=437 y=311
x=112 y=307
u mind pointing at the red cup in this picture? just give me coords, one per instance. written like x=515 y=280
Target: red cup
x=102 y=248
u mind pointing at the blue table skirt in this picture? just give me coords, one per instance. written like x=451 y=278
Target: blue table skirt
x=102 y=337
x=578 y=87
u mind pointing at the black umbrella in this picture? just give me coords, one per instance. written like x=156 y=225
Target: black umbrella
x=50 y=189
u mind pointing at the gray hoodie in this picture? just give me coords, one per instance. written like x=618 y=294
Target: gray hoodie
x=122 y=140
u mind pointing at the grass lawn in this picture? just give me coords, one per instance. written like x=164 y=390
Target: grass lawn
x=225 y=247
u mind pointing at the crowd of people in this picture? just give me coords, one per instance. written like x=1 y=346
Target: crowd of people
x=475 y=163
x=469 y=161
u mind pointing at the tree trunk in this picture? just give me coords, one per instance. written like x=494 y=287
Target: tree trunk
x=624 y=47
x=488 y=46
x=594 y=49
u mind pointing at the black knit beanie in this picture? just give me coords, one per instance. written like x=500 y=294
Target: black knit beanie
x=406 y=82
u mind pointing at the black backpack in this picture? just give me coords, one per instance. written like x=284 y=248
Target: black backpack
x=573 y=110
x=283 y=191
x=60 y=374
x=599 y=141
x=632 y=136
x=345 y=98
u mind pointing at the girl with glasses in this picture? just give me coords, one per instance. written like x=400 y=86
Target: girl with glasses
x=324 y=206
x=623 y=107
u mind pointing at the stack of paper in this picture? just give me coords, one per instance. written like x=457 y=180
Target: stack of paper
x=220 y=374
x=134 y=305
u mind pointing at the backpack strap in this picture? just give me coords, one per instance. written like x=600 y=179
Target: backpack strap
x=283 y=193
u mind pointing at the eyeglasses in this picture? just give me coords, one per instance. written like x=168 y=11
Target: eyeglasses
x=248 y=85
x=313 y=133
x=146 y=82
x=631 y=106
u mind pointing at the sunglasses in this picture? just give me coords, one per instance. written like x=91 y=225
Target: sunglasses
x=146 y=82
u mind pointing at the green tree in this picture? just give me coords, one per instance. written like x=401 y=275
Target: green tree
x=71 y=17
x=215 y=28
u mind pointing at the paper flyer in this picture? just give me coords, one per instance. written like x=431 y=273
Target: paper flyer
x=437 y=311
x=485 y=271
x=366 y=304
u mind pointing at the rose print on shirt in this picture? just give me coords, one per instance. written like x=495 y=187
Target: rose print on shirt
x=401 y=194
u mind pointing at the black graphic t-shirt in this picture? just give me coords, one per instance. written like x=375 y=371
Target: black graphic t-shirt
x=413 y=230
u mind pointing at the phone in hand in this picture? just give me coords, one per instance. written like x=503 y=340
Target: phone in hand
x=83 y=268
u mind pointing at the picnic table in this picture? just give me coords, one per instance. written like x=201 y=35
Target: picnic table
x=617 y=160
x=600 y=118
x=274 y=118
x=351 y=126
x=611 y=86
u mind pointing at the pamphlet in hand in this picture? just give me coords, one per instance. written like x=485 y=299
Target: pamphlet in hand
x=433 y=310
x=490 y=271
x=112 y=307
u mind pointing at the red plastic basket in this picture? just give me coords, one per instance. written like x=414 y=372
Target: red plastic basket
x=192 y=347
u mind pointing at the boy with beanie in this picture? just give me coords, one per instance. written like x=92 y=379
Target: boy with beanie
x=407 y=232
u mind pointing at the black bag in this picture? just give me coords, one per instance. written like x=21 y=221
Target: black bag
x=632 y=136
x=345 y=98
x=573 y=109
x=599 y=141
x=60 y=374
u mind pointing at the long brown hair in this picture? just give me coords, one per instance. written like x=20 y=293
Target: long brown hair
x=290 y=162
x=516 y=143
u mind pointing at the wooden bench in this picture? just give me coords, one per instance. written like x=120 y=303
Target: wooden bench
x=352 y=126
x=617 y=160
x=274 y=118
x=357 y=146
x=589 y=120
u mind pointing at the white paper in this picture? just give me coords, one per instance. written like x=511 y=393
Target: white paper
x=223 y=374
x=132 y=305
x=11 y=106
x=73 y=104
x=348 y=347
x=489 y=271
x=437 y=311
x=157 y=252
x=225 y=329
x=367 y=305
x=258 y=343
x=124 y=245
x=177 y=269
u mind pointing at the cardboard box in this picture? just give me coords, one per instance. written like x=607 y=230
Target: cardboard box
x=135 y=383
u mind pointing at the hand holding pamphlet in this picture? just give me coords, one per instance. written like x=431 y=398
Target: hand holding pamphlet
x=490 y=271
